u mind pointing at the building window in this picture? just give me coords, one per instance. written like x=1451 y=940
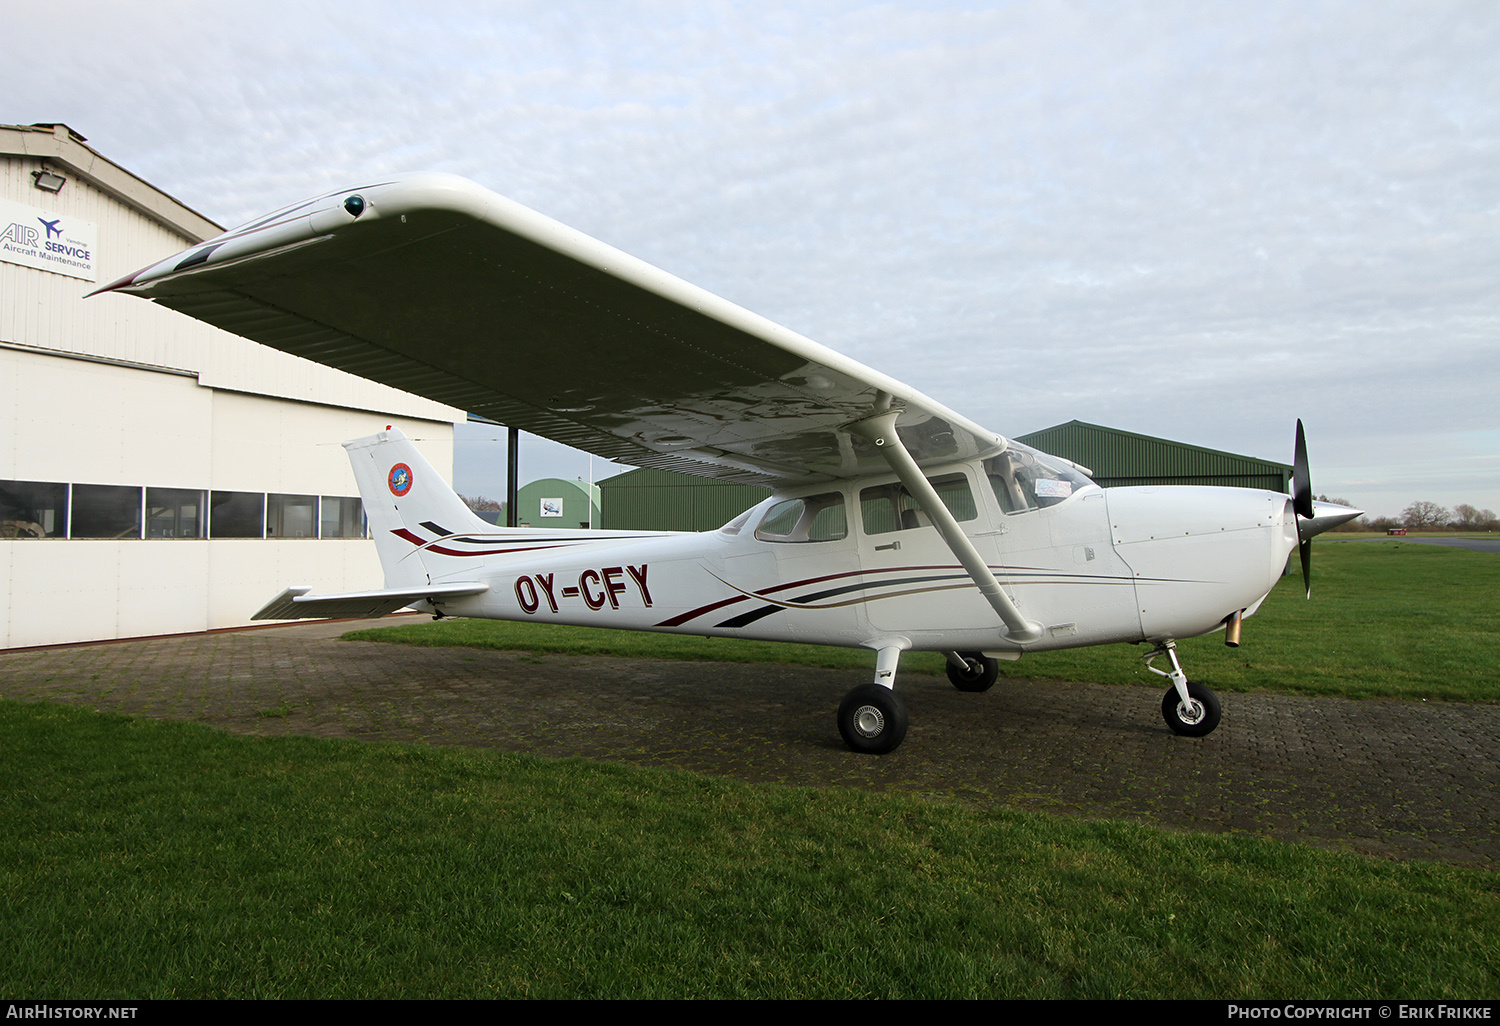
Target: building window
x=174 y=513
x=105 y=511
x=48 y=509
x=237 y=515
x=291 y=516
x=342 y=517
x=33 y=509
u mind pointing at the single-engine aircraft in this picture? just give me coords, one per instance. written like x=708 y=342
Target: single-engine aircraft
x=895 y=523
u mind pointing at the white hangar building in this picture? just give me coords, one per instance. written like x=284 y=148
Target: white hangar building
x=157 y=475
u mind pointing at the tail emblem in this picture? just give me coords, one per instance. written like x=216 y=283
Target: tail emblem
x=399 y=480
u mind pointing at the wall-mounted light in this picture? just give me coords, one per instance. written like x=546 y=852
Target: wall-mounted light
x=48 y=181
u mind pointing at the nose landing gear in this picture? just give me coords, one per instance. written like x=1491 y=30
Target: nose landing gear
x=1190 y=709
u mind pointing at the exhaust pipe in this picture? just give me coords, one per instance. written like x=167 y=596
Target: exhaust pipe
x=1232 y=628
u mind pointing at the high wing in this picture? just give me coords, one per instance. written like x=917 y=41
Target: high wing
x=437 y=286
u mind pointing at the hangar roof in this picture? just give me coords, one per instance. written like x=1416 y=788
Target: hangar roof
x=60 y=144
x=133 y=222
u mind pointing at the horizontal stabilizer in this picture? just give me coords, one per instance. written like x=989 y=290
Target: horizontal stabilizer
x=296 y=604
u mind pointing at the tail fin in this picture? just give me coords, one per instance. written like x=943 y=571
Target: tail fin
x=409 y=506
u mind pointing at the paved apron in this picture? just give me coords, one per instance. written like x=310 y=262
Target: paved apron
x=1390 y=778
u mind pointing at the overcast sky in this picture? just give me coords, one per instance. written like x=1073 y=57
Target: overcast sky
x=1194 y=220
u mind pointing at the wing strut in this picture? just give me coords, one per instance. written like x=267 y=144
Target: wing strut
x=881 y=429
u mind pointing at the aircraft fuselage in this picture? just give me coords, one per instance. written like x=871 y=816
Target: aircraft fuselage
x=1123 y=565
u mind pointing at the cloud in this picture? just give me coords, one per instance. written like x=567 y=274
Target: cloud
x=1194 y=220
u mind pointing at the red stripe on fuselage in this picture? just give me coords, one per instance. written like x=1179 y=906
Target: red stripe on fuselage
x=440 y=550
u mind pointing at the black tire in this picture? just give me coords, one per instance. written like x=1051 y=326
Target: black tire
x=981 y=679
x=872 y=719
x=1186 y=723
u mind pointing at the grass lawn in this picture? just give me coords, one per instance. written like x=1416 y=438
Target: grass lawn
x=156 y=860
x=1388 y=619
x=167 y=860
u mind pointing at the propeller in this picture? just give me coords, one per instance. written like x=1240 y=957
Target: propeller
x=1312 y=517
x=1302 y=505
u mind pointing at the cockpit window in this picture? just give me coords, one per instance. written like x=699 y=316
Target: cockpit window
x=1025 y=479
x=812 y=518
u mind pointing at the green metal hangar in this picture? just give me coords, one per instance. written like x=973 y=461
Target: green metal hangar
x=557 y=502
x=157 y=475
x=661 y=500
x=1118 y=458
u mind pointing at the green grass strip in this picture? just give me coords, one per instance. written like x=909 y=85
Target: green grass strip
x=165 y=860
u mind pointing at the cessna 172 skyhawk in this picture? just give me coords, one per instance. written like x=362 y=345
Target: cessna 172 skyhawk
x=895 y=523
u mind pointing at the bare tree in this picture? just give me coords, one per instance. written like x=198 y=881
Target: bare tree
x=1424 y=516
x=485 y=508
x=1468 y=518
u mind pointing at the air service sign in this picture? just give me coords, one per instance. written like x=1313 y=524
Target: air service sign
x=38 y=238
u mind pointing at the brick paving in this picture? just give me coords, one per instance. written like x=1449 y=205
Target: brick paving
x=1394 y=779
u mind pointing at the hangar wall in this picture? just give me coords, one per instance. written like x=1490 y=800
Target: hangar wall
x=111 y=394
x=1119 y=458
x=650 y=499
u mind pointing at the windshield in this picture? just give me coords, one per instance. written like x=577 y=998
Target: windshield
x=1025 y=479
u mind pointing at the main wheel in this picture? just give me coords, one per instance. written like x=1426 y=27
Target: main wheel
x=872 y=719
x=1195 y=720
x=973 y=679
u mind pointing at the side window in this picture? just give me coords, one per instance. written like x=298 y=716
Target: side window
x=236 y=515
x=175 y=513
x=890 y=507
x=33 y=509
x=812 y=518
x=106 y=511
x=342 y=516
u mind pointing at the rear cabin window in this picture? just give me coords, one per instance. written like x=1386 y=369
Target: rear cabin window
x=812 y=518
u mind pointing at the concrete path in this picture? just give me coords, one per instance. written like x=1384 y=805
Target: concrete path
x=1395 y=779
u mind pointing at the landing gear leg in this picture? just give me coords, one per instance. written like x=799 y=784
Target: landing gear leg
x=872 y=717
x=1189 y=708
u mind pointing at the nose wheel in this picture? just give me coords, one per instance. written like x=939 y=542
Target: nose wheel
x=1198 y=716
x=972 y=671
x=1190 y=709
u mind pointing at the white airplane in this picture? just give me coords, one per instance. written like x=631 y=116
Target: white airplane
x=895 y=523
